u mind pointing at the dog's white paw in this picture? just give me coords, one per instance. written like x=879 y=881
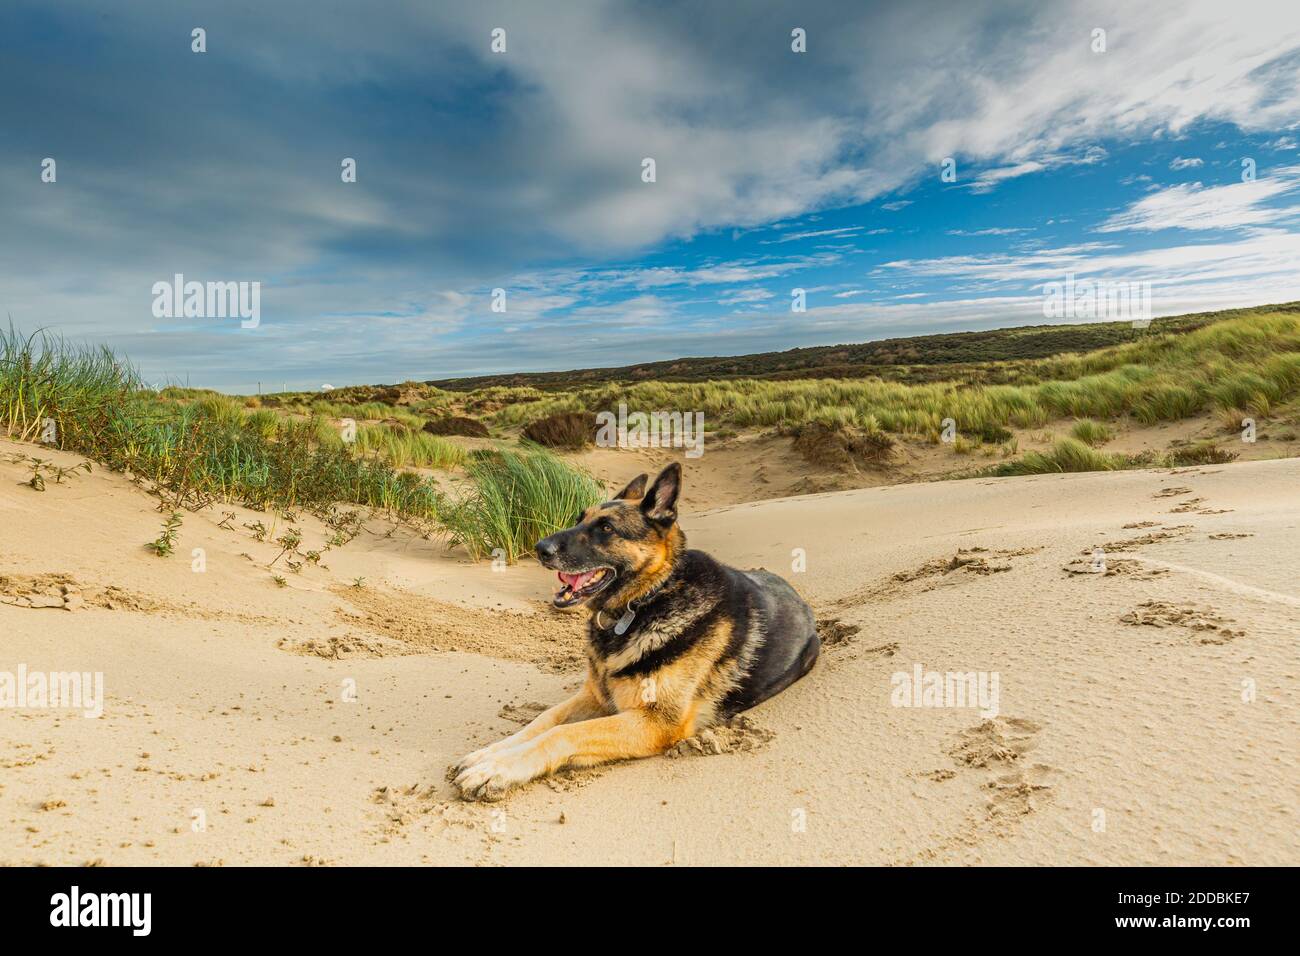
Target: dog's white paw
x=492 y=774
x=470 y=759
x=505 y=743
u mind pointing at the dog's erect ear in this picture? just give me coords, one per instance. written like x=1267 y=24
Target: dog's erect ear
x=660 y=502
x=635 y=489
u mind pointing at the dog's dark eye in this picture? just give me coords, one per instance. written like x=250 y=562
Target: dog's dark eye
x=606 y=528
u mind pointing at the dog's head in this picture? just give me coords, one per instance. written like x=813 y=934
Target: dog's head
x=620 y=549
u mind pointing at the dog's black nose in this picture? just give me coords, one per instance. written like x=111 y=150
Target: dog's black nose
x=547 y=548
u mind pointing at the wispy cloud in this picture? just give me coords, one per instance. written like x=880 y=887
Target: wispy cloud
x=1195 y=206
x=815 y=234
x=745 y=296
x=990 y=231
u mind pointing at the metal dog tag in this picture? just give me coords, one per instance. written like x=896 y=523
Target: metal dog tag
x=624 y=622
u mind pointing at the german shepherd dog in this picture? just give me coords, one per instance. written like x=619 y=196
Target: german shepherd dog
x=676 y=642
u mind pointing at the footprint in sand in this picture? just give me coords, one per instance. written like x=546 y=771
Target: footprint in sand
x=1172 y=492
x=1111 y=568
x=833 y=632
x=1206 y=622
x=521 y=713
x=938 y=572
x=1130 y=544
x=1193 y=506
x=64 y=592
x=999 y=746
x=1019 y=793
x=1014 y=785
x=836 y=635
x=413 y=805
x=1000 y=741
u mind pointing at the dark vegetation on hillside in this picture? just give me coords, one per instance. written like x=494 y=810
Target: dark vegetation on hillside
x=564 y=430
x=923 y=358
x=457 y=425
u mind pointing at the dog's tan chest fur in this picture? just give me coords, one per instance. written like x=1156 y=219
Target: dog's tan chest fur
x=684 y=694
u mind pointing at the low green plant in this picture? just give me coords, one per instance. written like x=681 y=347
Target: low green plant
x=165 y=544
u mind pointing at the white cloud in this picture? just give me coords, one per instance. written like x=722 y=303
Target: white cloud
x=1195 y=206
x=745 y=297
x=1268 y=259
x=990 y=231
x=818 y=233
x=1189 y=163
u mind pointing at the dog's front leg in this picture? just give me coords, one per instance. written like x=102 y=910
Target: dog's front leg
x=580 y=706
x=634 y=733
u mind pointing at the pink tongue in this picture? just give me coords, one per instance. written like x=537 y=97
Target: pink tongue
x=576 y=581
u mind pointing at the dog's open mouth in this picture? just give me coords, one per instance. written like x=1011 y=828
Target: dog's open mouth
x=576 y=588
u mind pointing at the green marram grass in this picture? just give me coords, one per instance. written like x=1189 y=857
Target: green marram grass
x=1091 y=432
x=513 y=499
x=1068 y=454
x=404 y=448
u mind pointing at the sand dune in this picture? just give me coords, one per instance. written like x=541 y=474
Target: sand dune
x=1146 y=709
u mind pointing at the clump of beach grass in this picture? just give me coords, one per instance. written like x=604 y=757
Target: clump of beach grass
x=1091 y=432
x=1068 y=455
x=402 y=447
x=513 y=499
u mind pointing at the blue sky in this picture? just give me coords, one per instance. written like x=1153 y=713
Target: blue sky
x=522 y=170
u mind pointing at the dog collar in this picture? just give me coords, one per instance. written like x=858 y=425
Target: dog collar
x=622 y=624
x=629 y=613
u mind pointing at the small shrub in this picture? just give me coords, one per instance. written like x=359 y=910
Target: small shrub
x=1205 y=453
x=994 y=434
x=166 y=542
x=571 y=430
x=456 y=425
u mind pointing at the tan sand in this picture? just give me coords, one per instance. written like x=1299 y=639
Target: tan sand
x=1147 y=715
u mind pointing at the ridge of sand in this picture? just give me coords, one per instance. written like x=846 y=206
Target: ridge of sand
x=248 y=722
